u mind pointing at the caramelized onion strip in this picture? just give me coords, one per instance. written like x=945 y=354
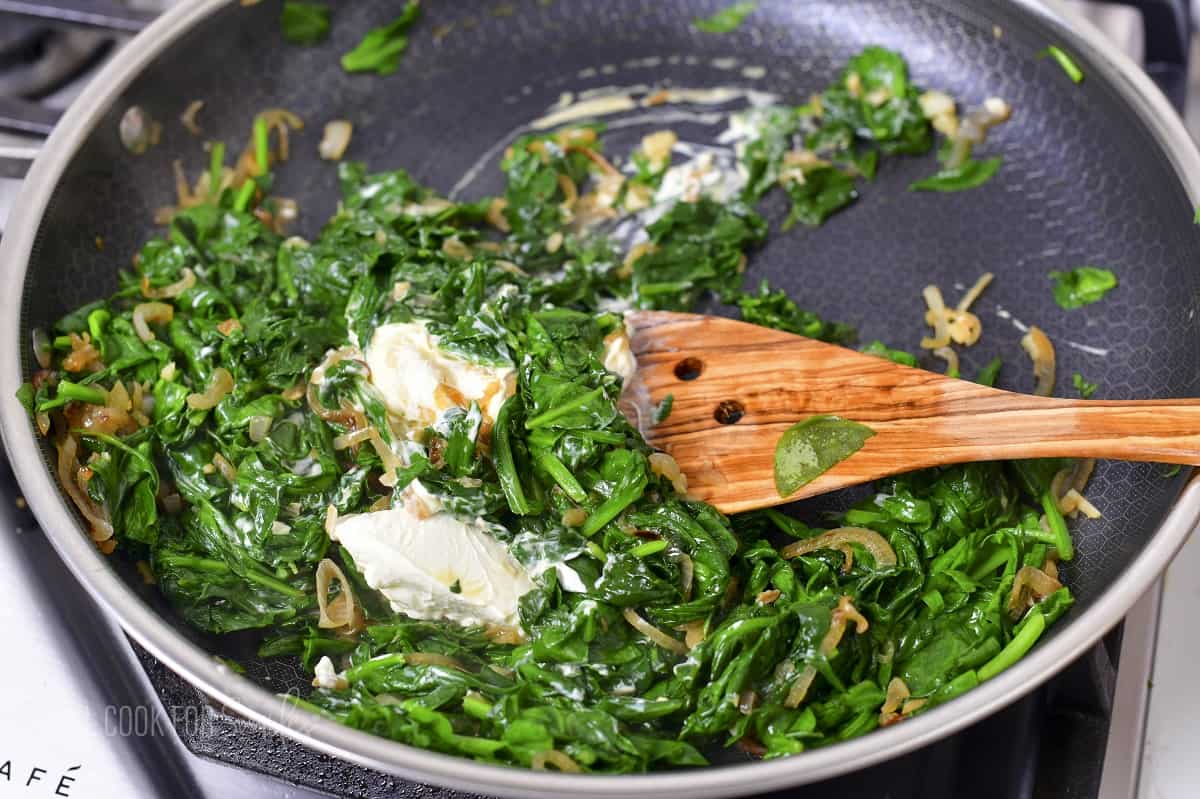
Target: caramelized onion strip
x=553 y=757
x=342 y=611
x=1041 y=351
x=218 y=388
x=656 y=635
x=68 y=469
x=873 y=542
x=1029 y=586
x=839 y=619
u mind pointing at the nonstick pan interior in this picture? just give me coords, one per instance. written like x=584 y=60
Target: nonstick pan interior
x=1082 y=183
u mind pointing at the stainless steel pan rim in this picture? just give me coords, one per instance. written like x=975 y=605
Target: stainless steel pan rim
x=239 y=694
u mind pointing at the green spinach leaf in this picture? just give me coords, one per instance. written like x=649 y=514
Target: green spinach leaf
x=727 y=19
x=1082 y=286
x=1085 y=389
x=381 y=48
x=304 y=23
x=968 y=175
x=812 y=447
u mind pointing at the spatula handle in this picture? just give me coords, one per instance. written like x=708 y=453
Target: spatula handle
x=999 y=425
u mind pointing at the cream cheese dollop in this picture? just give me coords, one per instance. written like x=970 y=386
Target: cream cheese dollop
x=419 y=381
x=436 y=566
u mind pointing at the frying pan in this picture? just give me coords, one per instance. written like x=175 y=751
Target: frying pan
x=1100 y=172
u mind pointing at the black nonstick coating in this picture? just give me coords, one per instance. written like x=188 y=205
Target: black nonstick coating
x=1082 y=181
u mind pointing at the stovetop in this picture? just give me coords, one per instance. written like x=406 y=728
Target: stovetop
x=96 y=702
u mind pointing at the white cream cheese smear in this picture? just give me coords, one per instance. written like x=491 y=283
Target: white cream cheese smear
x=438 y=567
x=419 y=381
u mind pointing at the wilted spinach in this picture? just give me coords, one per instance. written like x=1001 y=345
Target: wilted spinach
x=380 y=50
x=228 y=502
x=1082 y=286
x=817 y=152
x=304 y=23
x=966 y=175
x=1085 y=389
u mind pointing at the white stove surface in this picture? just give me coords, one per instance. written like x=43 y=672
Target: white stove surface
x=67 y=733
x=56 y=735
x=1170 y=766
x=80 y=717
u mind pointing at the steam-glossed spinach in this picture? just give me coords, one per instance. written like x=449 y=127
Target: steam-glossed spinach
x=820 y=152
x=219 y=415
x=1082 y=286
x=811 y=447
x=380 y=50
x=966 y=175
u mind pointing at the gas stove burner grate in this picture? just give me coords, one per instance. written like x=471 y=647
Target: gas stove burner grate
x=17 y=39
x=37 y=60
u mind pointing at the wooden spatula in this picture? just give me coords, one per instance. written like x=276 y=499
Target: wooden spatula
x=737 y=387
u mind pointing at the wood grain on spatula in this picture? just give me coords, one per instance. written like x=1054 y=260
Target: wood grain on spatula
x=737 y=387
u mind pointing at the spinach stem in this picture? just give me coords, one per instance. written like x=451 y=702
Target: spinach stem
x=556 y=413
x=502 y=455
x=213 y=565
x=216 y=168
x=244 y=195
x=96 y=321
x=1065 y=61
x=262 y=147
x=476 y=707
x=993 y=560
x=649 y=548
x=602 y=436
x=959 y=685
x=609 y=509
x=74 y=392
x=117 y=443
x=268 y=581
x=374 y=664
x=1028 y=631
x=1058 y=526
x=562 y=475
